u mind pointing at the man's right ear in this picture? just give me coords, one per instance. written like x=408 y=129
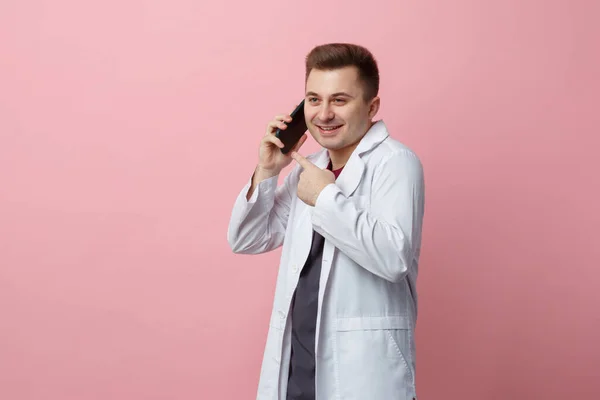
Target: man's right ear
x=374 y=106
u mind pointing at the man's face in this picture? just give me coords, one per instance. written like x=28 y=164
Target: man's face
x=336 y=112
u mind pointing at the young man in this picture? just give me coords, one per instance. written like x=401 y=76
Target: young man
x=349 y=218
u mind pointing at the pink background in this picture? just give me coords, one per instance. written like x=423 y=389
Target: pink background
x=128 y=127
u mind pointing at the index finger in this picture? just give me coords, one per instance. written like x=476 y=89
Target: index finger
x=304 y=163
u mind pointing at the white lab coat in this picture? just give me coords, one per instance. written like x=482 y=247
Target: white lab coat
x=371 y=220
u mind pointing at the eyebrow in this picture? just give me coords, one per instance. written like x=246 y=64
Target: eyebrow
x=333 y=95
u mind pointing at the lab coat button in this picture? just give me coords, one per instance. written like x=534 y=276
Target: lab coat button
x=282 y=314
x=295 y=268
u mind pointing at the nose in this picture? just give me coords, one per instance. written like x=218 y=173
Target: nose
x=326 y=113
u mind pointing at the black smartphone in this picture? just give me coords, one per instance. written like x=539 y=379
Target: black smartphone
x=295 y=129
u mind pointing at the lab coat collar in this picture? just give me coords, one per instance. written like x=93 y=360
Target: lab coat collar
x=352 y=173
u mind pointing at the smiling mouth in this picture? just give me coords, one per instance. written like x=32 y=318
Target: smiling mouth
x=329 y=130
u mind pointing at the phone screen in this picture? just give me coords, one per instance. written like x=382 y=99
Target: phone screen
x=295 y=129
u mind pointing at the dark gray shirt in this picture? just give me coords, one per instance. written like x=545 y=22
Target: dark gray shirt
x=301 y=382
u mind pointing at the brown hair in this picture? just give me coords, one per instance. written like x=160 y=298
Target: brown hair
x=339 y=55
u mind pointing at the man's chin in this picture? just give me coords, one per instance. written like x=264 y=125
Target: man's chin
x=331 y=144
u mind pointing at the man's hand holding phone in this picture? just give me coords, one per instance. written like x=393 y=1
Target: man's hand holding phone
x=271 y=160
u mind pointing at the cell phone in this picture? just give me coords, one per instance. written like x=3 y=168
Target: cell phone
x=295 y=129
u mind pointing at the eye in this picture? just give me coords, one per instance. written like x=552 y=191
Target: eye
x=339 y=101
x=312 y=99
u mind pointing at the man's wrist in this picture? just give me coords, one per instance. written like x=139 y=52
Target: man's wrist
x=261 y=173
x=326 y=194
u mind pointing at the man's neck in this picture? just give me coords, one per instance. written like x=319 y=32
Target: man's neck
x=340 y=157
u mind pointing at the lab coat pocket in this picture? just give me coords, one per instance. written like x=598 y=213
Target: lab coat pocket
x=371 y=358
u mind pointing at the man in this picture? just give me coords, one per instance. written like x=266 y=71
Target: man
x=349 y=219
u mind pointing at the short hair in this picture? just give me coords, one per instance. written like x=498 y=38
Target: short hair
x=339 y=55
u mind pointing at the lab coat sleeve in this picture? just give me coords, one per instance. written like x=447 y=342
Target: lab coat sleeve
x=381 y=237
x=258 y=225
